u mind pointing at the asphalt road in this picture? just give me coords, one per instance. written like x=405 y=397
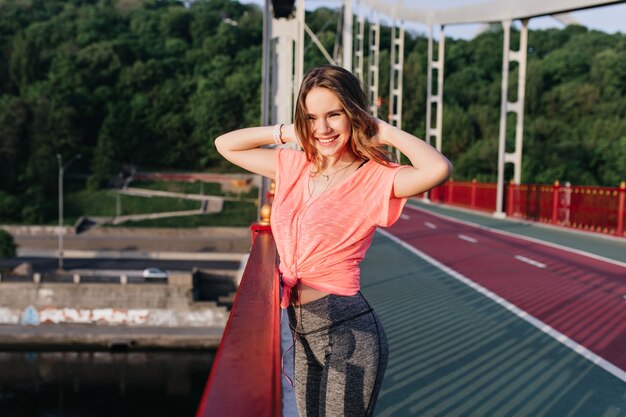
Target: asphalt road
x=140 y=241
x=44 y=265
x=142 y=248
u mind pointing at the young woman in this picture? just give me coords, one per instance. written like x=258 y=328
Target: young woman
x=329 y=199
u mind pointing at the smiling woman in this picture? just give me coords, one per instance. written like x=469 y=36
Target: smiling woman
x=329 y=200
x=328 y=121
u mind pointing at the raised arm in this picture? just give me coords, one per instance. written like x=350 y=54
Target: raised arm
x=243 y=148
x=429 y=167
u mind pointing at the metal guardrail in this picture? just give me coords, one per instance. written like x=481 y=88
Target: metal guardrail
x=473 y=195
x=587 y=208
x=245 y=376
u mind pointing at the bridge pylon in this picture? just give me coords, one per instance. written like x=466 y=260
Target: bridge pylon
x=507 y=107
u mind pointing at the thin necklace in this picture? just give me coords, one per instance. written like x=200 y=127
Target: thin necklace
x=327 y=176
x=308 y=185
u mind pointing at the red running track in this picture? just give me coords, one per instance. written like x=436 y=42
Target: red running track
x=579 y=296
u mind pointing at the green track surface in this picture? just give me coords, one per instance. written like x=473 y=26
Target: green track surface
x=454 y=352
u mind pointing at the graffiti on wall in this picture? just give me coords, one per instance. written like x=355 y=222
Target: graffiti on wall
x=55 y=315
x=95 y=316
x=8 y=316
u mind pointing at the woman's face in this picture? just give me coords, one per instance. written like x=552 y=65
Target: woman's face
x=329 y=124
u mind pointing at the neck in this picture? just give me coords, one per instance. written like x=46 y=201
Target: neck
x=337 y=162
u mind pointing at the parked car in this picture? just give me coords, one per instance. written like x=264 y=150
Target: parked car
x=154 y=273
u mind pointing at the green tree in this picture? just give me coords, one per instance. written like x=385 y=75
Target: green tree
x=152 y=83
x=8 y=249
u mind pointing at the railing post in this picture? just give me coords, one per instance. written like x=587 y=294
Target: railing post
x=567 y=204
x=555 y=201
x=264 y=224
x=510 y=200
x=449 y=197
x=473 y=198
x=265 y=213
x=620 y=209
x=433 y=194
x=269 y=196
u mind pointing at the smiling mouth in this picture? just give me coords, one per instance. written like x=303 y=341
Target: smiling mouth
x=327 y=140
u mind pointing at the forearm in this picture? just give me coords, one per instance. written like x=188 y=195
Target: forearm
x=251 y=138
x=245 y=148
x=244 y=139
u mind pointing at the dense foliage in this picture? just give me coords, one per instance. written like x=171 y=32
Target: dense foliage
x=8 y=248
x=150 y=83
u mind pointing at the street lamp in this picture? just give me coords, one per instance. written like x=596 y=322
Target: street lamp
x=60 y=230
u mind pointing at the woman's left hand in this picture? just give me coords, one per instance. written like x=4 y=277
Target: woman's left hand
x=428 y=169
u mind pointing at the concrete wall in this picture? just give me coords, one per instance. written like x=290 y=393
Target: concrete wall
x=89 y=308
x=177 y=294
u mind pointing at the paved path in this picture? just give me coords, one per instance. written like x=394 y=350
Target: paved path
x=457 y=352
x=602 y=245
x=581 y=296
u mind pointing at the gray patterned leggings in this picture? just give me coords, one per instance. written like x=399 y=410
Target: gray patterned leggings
x=340 y=356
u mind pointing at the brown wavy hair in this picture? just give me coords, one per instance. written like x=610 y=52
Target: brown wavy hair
x=354 y=102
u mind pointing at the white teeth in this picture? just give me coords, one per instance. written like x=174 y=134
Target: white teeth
x=327 y=140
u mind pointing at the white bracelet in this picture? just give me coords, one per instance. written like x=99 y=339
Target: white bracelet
x=277 y=134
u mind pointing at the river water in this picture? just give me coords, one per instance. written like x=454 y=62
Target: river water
x=102 y=384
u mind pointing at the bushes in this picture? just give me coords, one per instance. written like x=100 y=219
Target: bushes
x=8 y=248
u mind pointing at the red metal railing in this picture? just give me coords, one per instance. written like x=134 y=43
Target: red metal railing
x=596 y=209
x=473 y=195
x=245 y=376
x=191 y=177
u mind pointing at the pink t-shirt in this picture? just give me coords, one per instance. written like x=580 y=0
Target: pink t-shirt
x=322 y=240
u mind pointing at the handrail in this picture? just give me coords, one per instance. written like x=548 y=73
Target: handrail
x=245 y=376
x=588 y=208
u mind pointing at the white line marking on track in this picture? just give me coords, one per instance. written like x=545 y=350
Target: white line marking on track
x=558 y=336
x=405 y=217
x=522 y=237
x=530 y=261
x=430 y=225
x=467 y=238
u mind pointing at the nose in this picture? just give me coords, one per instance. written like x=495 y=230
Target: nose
x=322 y=125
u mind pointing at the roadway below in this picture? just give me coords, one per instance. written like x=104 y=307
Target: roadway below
x=132 y=249
x=105 y=266
x=202 y=240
